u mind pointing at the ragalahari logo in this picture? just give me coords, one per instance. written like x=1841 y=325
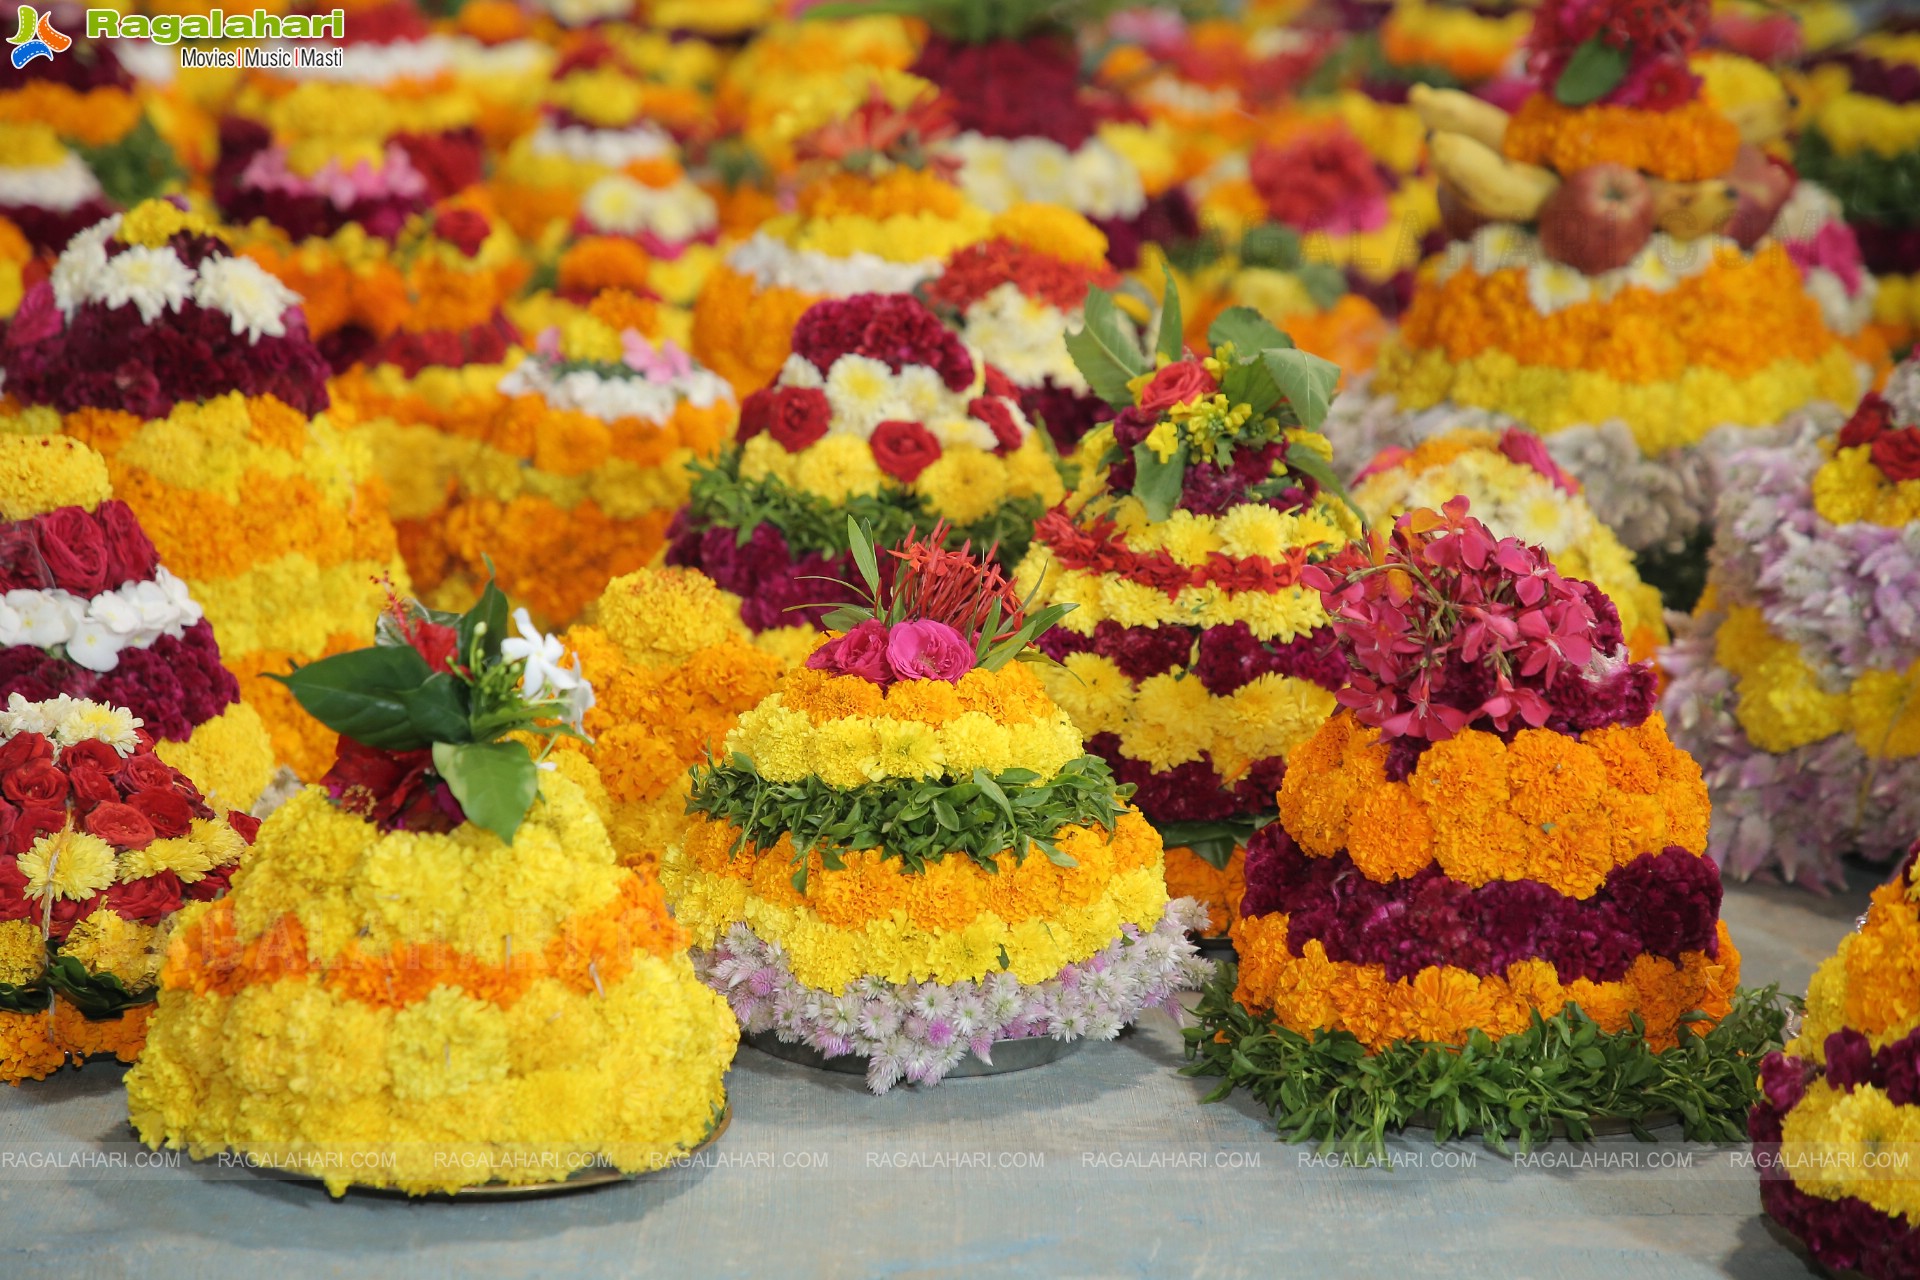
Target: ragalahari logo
x=37 y=37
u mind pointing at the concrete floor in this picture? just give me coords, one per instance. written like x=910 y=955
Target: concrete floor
x=1099 y=1165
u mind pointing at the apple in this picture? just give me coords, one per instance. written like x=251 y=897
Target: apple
x=1763 y=184
x=1458 y=219
x=1598 y=218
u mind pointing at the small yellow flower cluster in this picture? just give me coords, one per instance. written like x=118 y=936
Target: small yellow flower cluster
x=1852 y=123
x=1783 y=704
x=1281 y=615
x=964 y=484
x=41 y=471
x=1849 y=489
x=154 y=222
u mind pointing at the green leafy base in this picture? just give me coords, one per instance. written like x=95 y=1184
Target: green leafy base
x=1328 y=1090
x=1213 y=842
x=98 y=996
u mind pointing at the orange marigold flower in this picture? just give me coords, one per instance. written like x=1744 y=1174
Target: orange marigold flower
x=1686 y=144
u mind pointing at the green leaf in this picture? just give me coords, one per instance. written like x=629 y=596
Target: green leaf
x=1325 y=283
x=1107 y=357
x=1594 y=71
x=1306 y=381
x=1157 y=483
x=364 y=695
x=491 y=611
x=437 y=710
x=1211 y=842
x=97 y=996
x=1309 y=463
x=1272 y=246
x=1248 y=331
x=860 y=544
x=1171 y=339
x=495 y=782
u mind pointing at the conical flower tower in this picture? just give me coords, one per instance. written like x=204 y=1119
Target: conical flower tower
x=1840 y=1105
x=1195 y=659
x=90 y=612
x=1517 y=491
x=1794 y=683
x=190 y=369
x=905 y=856
x=1494 y=830
x=436 y=949
x=104 y=842
x=674 y=668
x=1602 y=236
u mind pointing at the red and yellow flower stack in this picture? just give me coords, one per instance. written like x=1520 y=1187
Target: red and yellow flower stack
x=1494 y=826
x=190 y=369
x=103 y=843
x=1196 y=658
x=1839 y=1109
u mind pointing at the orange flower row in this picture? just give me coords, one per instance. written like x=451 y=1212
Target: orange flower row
x=1010 y=696
x=336 y=294
x=569 y=443
x=1220 y=888
x=1546 y=807
x=605 y=262
x=1639 y=335
x=744 y=332
x=203 y=536
x=949 y=894
x=1442 y=1004
x=901 y=193
x=1686 y=144
x=93 y=117
x=34 y=1046
x=591 y=951
x=300 y=742
x=271 y=424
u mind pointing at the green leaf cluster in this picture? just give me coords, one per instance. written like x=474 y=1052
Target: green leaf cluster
x=1213 y=842
x=811 y=523
x=985 y=818
x=136 y=167
x=1562 y=1071
x=1873 y=187
x=1594 y=71
x=978 y=21
x=98 y=996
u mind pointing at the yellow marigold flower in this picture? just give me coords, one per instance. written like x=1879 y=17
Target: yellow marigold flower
x=972 y=741
x=152 y=223
x=964 y=484
x=1055 y=230
x=23 y=952
x=659 y=617
x=106 y=943
x=905 y=749
x=845 y=753
x=39 y=473
x=184 y=856
x=777 y=739
x=67 y=864
x=837 y=468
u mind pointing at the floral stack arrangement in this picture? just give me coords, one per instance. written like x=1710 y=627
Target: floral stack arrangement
x=673 y=668
x=190 y=369
x=1840 y=1105
x=88 y=610
x=904 y=855
x=1862 y=142
x=1486 y=905
x=1795 y=685
x=648 y=228
x=880 y=412
x=1196 y=657
x=1517 y=491
x=1479 y=47
x=104 y=842
x=435 y=947
x=572 y=473
x=1013 y=297
x=46 y=189
x=1601 y=234
x=876 y=211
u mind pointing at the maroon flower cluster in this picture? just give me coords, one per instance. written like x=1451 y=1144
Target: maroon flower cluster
x=1194 y=791
x=1012 y=88
x=76 y=550
x=411 y=351
x=1846 y=1234
x=394 y=790
x=48 y=230
x=1660 y=904
x=896 y=329
x=1448 y=628
x=105 y=358
x=1169 y=218
x=776 y=587
x=173 y=685
x=1223 y=658
x=128 y=802
x=1066 y=414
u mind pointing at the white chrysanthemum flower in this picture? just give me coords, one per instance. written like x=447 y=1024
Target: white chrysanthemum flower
x=675 y=213
x=1023 y=337
x=78 y=275
x=1650 y=269
x=923 y=395
x=1500 y=245
x=1042 y=169
x=1103 y=183
x=153 y=280
x=248 y=293
x=863 y=395
x=65 y=185
x=94 y=722
x=799 y=371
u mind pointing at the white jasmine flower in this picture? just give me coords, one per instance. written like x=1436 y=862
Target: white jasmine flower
x=94 y=645
x=544 y=655
x=47 y=618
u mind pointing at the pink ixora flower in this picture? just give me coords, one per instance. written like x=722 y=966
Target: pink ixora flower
x=861 y=652
x=924 y=650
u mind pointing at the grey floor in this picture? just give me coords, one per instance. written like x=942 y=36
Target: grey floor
x=1100 y=1165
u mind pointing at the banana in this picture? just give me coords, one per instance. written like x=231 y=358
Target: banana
x=1689 y=210
x=1451 y=111
x=1490 y=184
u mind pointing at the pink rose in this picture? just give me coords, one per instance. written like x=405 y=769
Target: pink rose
x=861 y=652
x=928 y=651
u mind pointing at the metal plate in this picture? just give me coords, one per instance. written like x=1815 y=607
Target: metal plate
x=1008 y=1055
x=581 y=1180
x=1604 y=1127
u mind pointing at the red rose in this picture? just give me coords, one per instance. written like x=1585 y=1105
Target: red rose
x=167 y=812
x=212 y=884
x=34 y=821
x=148 y=899
x=14 y=903
x=144 y=771
x=756 y=414
x=130 y=553
x=800 y=416
x=999 y=419
x=92 y=785
x=23 y=749
x=465 y=228
x=860 y=652
x=67 y=913
x=1897 y=453
x=999 y=384
x=1176 y=384
x=93 y=754
x=245 y=824
x=38 y=783
x=22 y=568
x=76 y=550
x=120 y=825
x=903 y=449
x=1873 y=416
